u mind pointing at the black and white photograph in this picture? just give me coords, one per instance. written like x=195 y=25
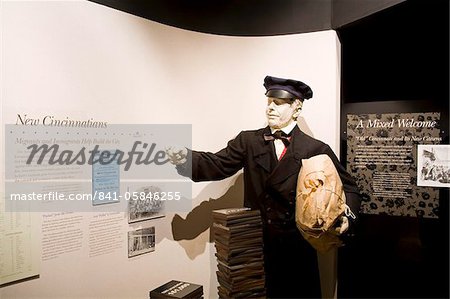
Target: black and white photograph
x=141 y=241
x=144 y=203
x=433 y=167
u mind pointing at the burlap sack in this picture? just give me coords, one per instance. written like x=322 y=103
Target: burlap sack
x=320 y=202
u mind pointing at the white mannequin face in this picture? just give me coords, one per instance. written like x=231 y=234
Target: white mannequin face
x=281 y=112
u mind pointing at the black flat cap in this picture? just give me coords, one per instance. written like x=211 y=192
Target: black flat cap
x=286 y=88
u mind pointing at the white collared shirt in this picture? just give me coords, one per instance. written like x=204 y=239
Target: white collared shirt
x=279 y=145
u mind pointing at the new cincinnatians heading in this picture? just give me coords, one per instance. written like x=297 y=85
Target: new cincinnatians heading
x=401 y=123
x=90 y=157
x=51 y=121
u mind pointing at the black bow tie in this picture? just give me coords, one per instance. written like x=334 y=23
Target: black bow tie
x=278 y=135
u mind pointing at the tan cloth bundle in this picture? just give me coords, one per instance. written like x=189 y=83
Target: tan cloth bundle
x=320 y=202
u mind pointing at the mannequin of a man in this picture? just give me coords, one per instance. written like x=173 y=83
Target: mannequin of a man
x=271 y=158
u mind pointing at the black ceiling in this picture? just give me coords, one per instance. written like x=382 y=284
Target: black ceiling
x=401 y=53
x=251 y=17
x=386 y=44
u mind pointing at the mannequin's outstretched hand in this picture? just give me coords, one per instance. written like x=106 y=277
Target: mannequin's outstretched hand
x=177 y=156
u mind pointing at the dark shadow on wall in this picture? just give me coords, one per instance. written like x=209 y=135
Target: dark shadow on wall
x=200 y=218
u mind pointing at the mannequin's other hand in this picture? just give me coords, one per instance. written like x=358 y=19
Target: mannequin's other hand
x=342 y=226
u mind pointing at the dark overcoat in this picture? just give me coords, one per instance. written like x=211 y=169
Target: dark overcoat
x=270 y=186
